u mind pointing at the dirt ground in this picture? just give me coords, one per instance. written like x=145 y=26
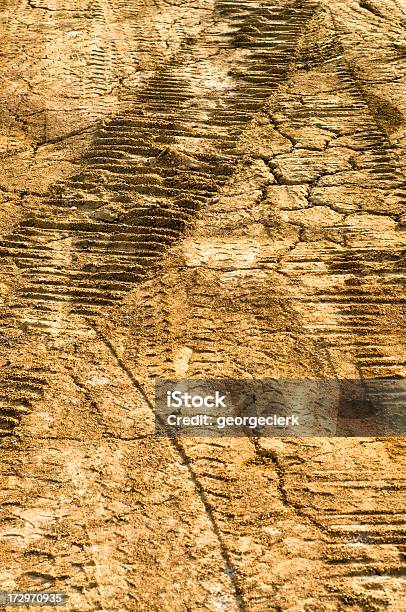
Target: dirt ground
x=199 y=189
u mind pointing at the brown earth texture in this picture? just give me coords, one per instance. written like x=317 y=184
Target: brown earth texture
x=199 y=189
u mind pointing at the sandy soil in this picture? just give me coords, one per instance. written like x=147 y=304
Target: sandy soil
x=198 y=189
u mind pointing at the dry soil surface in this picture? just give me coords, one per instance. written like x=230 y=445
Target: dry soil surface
x=196 y=189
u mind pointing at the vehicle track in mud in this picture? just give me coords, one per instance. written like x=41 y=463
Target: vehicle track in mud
x=145 y=177
x=131 y=162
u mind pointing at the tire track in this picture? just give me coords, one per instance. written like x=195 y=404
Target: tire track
x=345 y=278
x=140 y=184
x=365 y=264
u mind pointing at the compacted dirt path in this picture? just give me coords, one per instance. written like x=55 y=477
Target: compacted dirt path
x=199 y=189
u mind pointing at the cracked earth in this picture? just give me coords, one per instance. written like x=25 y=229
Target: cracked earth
x=198 y=189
